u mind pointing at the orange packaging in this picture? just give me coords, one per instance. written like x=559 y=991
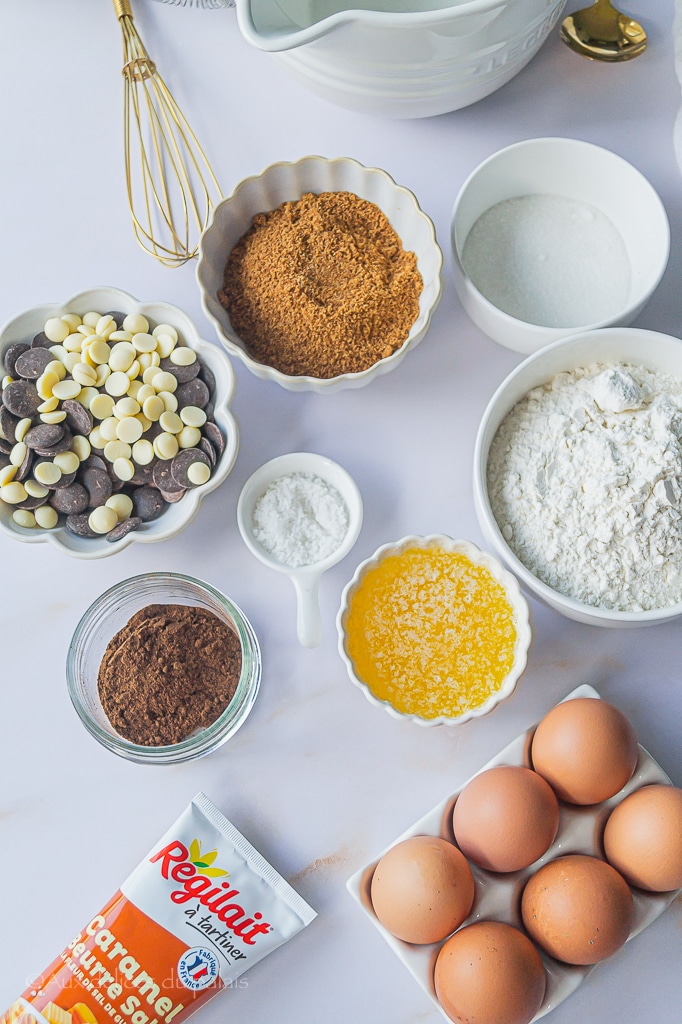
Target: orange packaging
x=198 y=911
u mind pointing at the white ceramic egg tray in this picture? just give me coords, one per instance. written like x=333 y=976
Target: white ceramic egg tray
x=498 y=897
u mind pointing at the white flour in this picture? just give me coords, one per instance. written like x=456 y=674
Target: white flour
x=585 y=482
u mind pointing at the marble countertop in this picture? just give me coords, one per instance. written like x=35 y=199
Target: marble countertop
x=317 y=779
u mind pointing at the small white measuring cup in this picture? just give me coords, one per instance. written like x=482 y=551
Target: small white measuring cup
x=306 y=578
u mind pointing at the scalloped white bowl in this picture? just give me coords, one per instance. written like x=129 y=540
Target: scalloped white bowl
x=287 y=182
x=478 y=557
x=178 y=515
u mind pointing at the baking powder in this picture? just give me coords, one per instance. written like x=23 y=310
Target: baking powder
x=300 y=519
x=585 y=482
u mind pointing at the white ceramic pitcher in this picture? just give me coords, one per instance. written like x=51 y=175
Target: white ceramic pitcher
x=401 y=58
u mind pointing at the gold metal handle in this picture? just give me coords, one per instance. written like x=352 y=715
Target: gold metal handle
x=123 y=9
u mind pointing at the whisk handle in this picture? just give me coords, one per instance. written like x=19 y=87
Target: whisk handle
x=123 y=9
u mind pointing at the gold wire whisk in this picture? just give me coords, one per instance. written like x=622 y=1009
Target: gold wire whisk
x=170 y=197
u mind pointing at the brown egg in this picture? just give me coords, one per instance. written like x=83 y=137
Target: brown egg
x=643 y=838
x=578 y=909
x=505 y=818
x=586 y=749
x=422 y=889
x=489 y=973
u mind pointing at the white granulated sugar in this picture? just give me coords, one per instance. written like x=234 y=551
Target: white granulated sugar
x=300 y=519
x=549 y=260
x=585 y=482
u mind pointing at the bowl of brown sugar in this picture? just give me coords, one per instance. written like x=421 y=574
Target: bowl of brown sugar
x=320 y=274
x=163 y=668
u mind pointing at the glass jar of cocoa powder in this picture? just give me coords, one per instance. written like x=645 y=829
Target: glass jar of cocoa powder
x=163 y=668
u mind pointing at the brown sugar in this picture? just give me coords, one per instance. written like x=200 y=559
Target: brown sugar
x=321 y=286
x=171 y=670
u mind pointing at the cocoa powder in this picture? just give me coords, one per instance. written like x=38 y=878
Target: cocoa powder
x=321 y=286
x=170 y=671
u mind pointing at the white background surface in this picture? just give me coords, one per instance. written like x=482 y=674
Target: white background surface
x=317 y=779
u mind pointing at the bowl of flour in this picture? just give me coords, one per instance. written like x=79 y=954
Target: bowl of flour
x=578 y=476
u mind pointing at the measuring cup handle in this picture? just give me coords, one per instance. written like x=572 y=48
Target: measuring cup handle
x=308 y=620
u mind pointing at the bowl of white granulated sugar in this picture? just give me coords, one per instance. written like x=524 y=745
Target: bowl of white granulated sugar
x=578 y=476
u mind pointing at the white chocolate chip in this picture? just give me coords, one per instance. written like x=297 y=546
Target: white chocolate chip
x=198 y=473
x=124 y=469
x=101 y=406
x=18 y=454
x=23 y=426
x=84 y=374
x=47 y=473
x=183 y=356
x=129 y=429
x=120 y=336
x=99 y=351
x=91 y=319
x=35 y=489
x=85 y=330
x=72 y=359
x=170 y=422
x=58 y=416
x=105 y=325
x=68 y=462
x=46 y=517
x=169 y=400
x=121 y=503
x=165 y=329
x=166 y=446
x=133 y=371
x=144 y=342
x=134 y=389
x=153 y=408
x=117 y=384
x=164 y=381
x=45 y=383
x=126 y=407
x=147 y=359
x=56 y=366
x=22 y=517
x=108 y=428
x=56 y=329
x=117 y=450
x=96 y=440
x=193 y=416
x=73 y=320
x=13 y=492
x=165 y=343
x=136 y=323
x=7 y=473
x=65 y=389
x=189 y=437
x=149 y=374
x=49 y=405
x=74 y=343
x=103 y=373
x=81 y=447
x=86 y=396
x=59 y=352
x=143 y=452
x=122 y=356
x=102 y=519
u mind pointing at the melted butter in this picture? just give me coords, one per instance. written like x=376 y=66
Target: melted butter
x=431 y=633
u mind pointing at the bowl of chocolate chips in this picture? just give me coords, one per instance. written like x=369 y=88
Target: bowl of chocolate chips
x=114 y=422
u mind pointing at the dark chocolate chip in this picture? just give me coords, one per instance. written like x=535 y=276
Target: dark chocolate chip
x=25 y=468
x=194 y=392
x=79 y=525
x=78 y=417
x=21 y=398
x=65 y=480
x=8 y=425
x=116 y=483
x=41 y=340
x=5 y=446
x=172 y=496
x=97 y=483
x=143 y=474
x=206 y=374
x=12 y=354
x=182 y=374
x=71 y=499
x=39 y=462
x=209 y=410
x=163 y=477
x=208 y=449
x=30 y=502
x=183 y=460
x=94 y=462
x=62 y=445
x=124 y=528
x=44 y=435
x=30 y=365
x=148 y=503
x=215 y=436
